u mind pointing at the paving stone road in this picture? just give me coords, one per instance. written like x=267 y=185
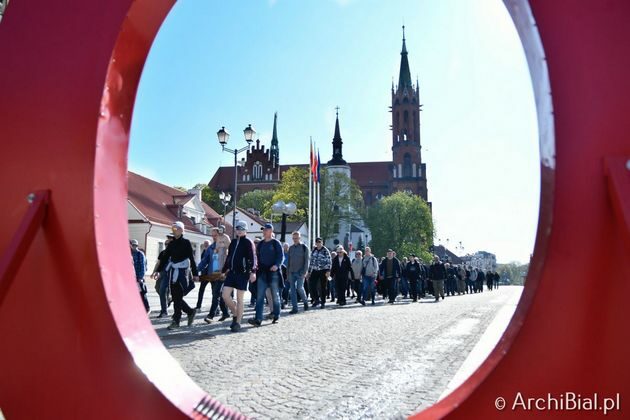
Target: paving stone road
x=382 y=361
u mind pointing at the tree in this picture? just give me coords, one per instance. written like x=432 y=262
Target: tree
x=513 y=271
x=293 y=187
x=341 y=202
x=402 y=222
x=260 y=200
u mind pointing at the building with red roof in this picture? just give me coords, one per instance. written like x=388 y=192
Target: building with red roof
x=153 y=207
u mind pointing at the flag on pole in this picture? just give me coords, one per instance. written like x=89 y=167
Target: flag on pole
x=314 y=165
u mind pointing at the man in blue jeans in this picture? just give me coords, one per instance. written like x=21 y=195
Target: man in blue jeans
x=270 y=256
x=298 y=259
x=369 y=273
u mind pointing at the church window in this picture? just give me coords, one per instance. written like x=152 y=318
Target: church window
x=257 y=171
x=407 y=171
x=406 y=117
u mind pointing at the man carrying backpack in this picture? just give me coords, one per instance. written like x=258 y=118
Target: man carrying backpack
x=297 y=267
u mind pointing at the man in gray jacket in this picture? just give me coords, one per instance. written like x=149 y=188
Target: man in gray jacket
x=297 y=267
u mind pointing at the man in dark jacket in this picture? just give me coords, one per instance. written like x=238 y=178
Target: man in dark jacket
x=318 y=272
x=437 y=274
x=140 y=267
x=239 y=268
x=391 y=271
x=481 y=277
x=412 y=273
x=179 y=255
x=270 y=256
x=341 y=270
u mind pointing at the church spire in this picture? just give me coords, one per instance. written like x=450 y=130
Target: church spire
x=404 y=79
x=337 y=158
x=275 y=149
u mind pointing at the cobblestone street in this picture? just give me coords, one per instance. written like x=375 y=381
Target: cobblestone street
x=378 y=361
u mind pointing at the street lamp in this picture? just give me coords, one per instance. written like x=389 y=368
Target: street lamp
x=223 y=137
x=225 y=200
x=286 y=209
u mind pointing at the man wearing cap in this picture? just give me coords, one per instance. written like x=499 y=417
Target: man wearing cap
x=239 y=268
x=318 y=272
x=179 y=255
x=140 y=267
x=270 y=256
x=391 y=271
x=162 y=284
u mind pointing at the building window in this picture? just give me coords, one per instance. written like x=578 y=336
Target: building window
x=406 y=117
x=407 y=170
x=258 y=171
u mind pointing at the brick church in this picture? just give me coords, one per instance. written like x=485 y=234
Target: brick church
x=261 y=169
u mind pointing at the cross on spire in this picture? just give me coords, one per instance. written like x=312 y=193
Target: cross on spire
x=337 y=109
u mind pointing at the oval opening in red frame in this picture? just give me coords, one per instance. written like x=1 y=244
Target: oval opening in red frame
x=471 y=152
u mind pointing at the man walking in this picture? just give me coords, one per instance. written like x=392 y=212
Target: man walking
x=298 y=259
x=318 y=272
x=412 y=273
x=179 y=255
x=270 y=256
x=391 y=271
x=369 y=273
x=212 y=263
x=202 y=274
x=437 y=274
x=161 y=279
x=357 y=269
x=140 y=267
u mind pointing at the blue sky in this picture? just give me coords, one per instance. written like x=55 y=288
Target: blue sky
x=218 y=63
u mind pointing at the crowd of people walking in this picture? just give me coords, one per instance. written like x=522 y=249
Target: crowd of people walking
x=279 y=275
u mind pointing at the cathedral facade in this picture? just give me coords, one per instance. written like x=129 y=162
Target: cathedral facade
x=261 y=168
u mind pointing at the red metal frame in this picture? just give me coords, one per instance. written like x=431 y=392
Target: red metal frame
x=69 y=79
x=18 y=247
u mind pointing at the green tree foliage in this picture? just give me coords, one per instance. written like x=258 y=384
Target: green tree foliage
x=341 y=202
x=260 y=200
x=513 y=271
x=293 y=187
x=403 y=223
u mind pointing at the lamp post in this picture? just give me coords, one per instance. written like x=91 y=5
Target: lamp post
x=286 y=209
x=223 y=137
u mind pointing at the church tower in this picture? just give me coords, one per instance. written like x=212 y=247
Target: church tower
x=275 y=148
x=407 y=170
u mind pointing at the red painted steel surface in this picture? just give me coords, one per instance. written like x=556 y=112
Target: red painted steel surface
x=79 y=345
x=13 y=257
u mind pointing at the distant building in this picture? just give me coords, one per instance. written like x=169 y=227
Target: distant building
x=153 y=207
x=482 y=260
x=446 y=255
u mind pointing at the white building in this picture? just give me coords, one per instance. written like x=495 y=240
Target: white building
x=153 y=207
x=482 y=260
